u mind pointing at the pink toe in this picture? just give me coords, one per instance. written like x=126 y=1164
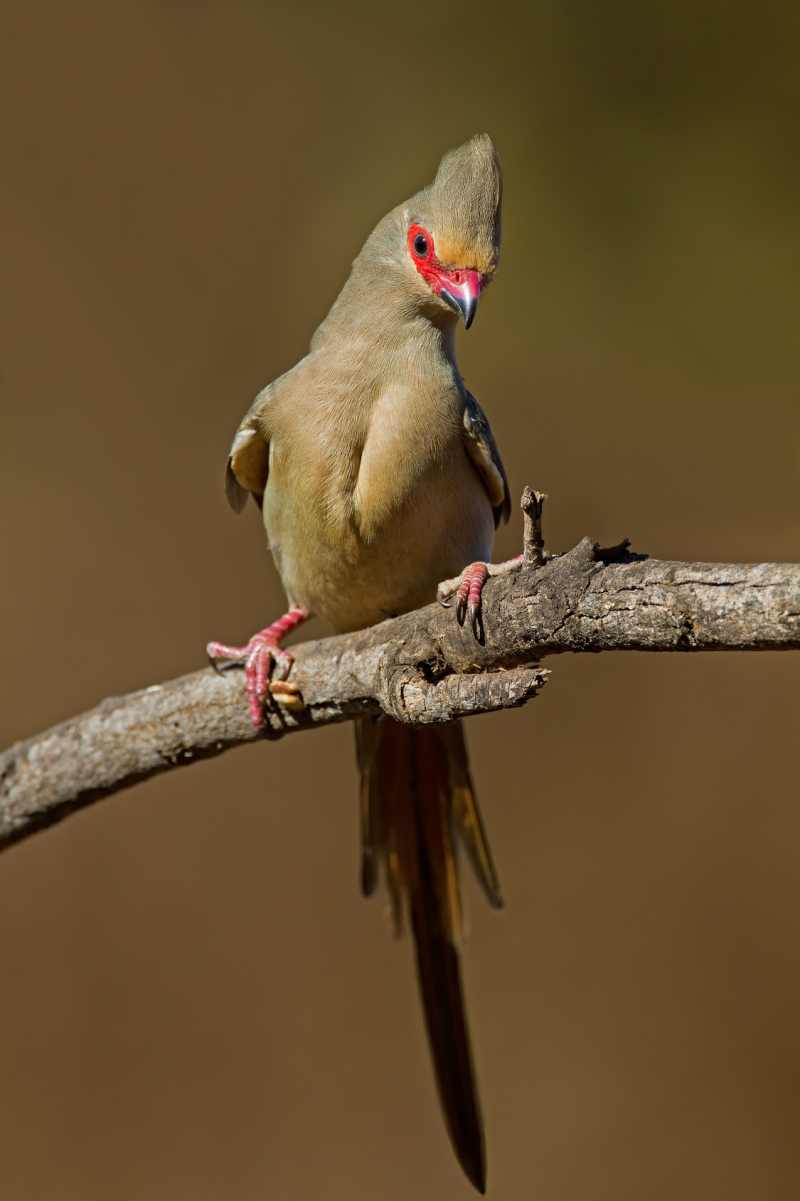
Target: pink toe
x=220 y=650
x=262 y=674
x=250 y=671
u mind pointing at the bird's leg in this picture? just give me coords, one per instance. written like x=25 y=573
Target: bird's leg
x=468 y=589
x=266 y=664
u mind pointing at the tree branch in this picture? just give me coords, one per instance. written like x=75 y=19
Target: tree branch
x=420 y=667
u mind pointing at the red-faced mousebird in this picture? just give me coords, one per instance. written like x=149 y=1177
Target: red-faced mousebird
x=378 y=476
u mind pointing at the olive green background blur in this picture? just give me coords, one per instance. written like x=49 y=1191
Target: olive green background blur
x=194 y=1002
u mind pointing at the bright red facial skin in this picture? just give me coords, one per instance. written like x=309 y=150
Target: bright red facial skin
x=437 y=276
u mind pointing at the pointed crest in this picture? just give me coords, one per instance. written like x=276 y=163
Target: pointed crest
x=466 y=196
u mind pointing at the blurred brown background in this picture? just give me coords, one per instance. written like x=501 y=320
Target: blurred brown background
x=195 y=1004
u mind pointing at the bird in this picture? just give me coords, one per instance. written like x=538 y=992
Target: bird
x=380 y=485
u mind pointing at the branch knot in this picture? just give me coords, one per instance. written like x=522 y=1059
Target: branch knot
x=408 y=696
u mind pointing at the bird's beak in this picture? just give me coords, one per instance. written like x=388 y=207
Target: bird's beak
x=461 y=290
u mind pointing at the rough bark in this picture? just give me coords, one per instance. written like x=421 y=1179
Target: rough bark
x=420 y=667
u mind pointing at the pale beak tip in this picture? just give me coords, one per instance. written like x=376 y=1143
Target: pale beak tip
x=463 y=300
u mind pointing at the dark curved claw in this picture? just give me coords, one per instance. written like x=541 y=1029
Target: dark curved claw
x=461 y=610
x=476 y=623
x=282 y=664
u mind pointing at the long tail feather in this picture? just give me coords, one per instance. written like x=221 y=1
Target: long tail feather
x=468 y=815
x=418 y=791
x=366 y=745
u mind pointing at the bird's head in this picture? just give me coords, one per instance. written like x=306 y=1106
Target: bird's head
x=451 y=230
x=432 y=256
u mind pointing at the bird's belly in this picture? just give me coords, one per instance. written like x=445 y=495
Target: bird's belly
x=444 y=522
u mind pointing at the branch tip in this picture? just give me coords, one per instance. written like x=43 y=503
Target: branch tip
x=532 y=503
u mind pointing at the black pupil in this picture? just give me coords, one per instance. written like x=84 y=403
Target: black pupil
x=421 y=244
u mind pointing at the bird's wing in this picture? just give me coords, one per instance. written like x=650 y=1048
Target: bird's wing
x=482 y=450
x=248 y=459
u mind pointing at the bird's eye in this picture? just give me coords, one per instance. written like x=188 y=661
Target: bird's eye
x=421 y=248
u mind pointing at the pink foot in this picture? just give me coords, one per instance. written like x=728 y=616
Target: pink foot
x=468 y=591
x=266 y=664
